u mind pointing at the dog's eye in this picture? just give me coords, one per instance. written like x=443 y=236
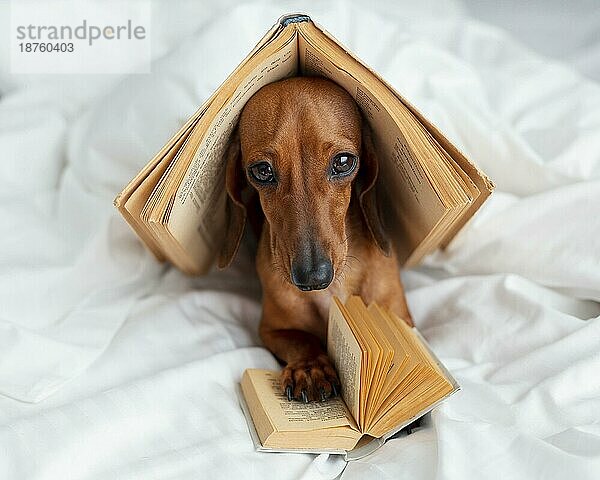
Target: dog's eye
x=262 y=172
x=343 y=164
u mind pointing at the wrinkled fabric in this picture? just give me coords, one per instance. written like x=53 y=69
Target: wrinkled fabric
x=115 y=366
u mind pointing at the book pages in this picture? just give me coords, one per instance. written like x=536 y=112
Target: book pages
x=286 y=416
x=346 y=354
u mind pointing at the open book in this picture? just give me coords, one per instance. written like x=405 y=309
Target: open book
x=177 y=204
x=389 y=378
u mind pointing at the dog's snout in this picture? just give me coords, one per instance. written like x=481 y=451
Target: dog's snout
x=310 y=273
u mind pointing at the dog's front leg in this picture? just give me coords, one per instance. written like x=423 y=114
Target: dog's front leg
x=295 y=334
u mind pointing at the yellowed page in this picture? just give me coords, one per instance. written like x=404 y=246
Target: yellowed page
x=289 y=416
x=138 y=198
x=347 y=355
x=426 y=391
x=413 y=369
x=400 y=358
x=262 y=423
x=380 y=352
x=123 y=196
x=197 y=217
x=372 y=357
x=331 y=439
x=132 y=199
x=423 y=386
x=422 y=352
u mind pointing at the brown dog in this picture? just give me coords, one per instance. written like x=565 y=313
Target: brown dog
x=303 y=148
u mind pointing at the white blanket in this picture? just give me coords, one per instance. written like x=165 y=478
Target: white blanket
x=113 y=366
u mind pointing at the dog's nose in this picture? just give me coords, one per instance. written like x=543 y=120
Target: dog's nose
x=312 y=275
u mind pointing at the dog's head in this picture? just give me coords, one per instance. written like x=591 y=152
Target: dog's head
x=302 y=145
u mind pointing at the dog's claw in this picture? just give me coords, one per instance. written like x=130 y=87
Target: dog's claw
x=309 y=380
x=334 y=390
x=323 y=396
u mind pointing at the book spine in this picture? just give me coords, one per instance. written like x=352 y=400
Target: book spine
x=294 y=18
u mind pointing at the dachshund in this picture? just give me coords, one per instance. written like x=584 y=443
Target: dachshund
x=302 y=169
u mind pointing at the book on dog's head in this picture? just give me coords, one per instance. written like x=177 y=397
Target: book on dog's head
x=177 y=202
x=389 y=376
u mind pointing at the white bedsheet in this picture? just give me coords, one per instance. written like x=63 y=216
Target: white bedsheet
x=112 y=366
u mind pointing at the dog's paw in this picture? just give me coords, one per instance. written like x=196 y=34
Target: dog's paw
x=310 y=380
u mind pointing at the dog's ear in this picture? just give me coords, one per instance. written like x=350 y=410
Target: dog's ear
x=235 y=181
x=366 y=191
